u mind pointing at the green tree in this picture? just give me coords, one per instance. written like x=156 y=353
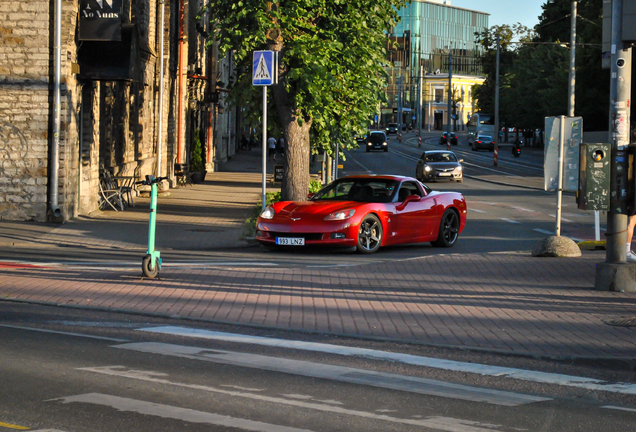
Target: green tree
x=592 y=82
x=534 y=71
x=485 y=93
x=331 y=76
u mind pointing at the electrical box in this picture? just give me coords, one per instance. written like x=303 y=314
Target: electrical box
x=594 y=176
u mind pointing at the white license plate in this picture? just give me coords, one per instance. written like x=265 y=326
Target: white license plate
x=443 y=174
x=288 y=241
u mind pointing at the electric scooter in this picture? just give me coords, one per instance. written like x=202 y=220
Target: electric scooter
x=151 y=262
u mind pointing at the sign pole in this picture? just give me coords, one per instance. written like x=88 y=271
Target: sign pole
x=264 y=73
x=560 y=180
x=264 y=139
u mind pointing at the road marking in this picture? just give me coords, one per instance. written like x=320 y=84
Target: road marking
x=438 y=423
x=338 y=373
x=562 y=218
x=509 y=221
x=475 y=210
x=171 y=412
x=619 y=408
x=63 y=333
x=127 y=266
x=20 y=265
x=523 y=209
x=498 y=371
x=12 y=426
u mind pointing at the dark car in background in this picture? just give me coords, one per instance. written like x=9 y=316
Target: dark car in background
x=483 y=142
x=444 y=138
x=436 y=165
x=376 y=140
x=392 y=128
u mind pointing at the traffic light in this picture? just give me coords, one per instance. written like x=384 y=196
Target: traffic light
x=594 y=176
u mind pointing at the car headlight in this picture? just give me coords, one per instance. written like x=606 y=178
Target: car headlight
x=340 y=215
x=427 y=168
x=458 y=168
x=384 y=143
x=268 y=213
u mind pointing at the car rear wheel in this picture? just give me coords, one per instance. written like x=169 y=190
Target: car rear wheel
x=369 y=235
x=448 y=229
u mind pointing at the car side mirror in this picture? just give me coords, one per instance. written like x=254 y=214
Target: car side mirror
x=461 y=160
x=411 y=198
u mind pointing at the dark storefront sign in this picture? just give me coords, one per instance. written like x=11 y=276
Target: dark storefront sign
x=100 y=20
x=110 y=61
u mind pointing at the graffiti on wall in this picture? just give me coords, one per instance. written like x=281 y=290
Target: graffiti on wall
x=14 y=148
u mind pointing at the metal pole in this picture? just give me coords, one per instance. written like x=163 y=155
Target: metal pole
x=160 y=125
x=430 y=107
x=620 y=89
x=560 y=181
x=399 y=113
x=335 y=163
x=264 y=139
x=572 y=62
x=450 y=92
x=55 y=147
x=419 y=105
x=496 y=137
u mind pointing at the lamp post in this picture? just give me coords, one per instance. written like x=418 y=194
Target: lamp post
x=496 y=134
x=450 y=90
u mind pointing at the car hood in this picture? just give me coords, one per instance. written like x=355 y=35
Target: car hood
x=297 y=209
x=442 y=164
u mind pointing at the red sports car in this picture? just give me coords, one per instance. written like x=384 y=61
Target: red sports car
x=366 y=212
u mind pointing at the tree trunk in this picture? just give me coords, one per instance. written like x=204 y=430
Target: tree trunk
x=295 y=184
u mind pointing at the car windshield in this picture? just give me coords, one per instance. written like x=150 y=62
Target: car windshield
x=440 y=157
x=358 y=189
x=377 y=137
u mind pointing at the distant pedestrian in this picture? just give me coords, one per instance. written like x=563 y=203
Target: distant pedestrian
x=271 y=145
x=243 y=142
x=251 y=142
x=281 y=146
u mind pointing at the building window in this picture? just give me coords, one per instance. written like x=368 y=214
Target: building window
x=439 y=95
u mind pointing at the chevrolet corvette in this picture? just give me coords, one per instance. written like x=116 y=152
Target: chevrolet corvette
x=366 y=212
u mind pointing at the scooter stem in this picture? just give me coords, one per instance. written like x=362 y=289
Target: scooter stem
x=156 y=260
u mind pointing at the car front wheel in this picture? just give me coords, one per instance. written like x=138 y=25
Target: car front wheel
x=369 y=235
x=448 y=229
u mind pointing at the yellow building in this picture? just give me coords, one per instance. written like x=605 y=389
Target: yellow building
x=435 y=100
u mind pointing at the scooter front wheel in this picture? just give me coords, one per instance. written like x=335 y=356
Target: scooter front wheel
x=147 y=268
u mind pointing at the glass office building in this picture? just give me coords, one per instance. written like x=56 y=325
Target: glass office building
x=429 y=34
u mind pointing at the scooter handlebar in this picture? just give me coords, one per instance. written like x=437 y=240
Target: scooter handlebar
x=150 y=180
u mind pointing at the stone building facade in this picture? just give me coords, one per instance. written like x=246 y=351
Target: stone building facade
x=109 y=102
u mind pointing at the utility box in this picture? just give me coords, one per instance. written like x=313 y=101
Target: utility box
x=594 y=176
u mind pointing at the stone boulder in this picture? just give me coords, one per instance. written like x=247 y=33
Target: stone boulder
x=556 y=246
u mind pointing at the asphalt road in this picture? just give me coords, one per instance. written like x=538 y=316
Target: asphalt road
x=106 y=372
x=501 y=217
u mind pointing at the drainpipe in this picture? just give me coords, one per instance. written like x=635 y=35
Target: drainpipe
x=180 y=74
x=55 y=149
x=160 y=126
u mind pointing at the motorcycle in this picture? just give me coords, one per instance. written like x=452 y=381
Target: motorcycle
x=516 y=150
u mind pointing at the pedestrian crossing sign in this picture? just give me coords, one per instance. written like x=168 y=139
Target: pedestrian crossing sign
x=265 y=68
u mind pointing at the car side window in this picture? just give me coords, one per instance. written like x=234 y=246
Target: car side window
x=407 y=189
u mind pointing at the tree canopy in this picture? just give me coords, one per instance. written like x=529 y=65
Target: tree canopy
x=534 y=71
x=332 y=55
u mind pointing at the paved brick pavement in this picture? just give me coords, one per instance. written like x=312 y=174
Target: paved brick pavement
x=503 y=302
